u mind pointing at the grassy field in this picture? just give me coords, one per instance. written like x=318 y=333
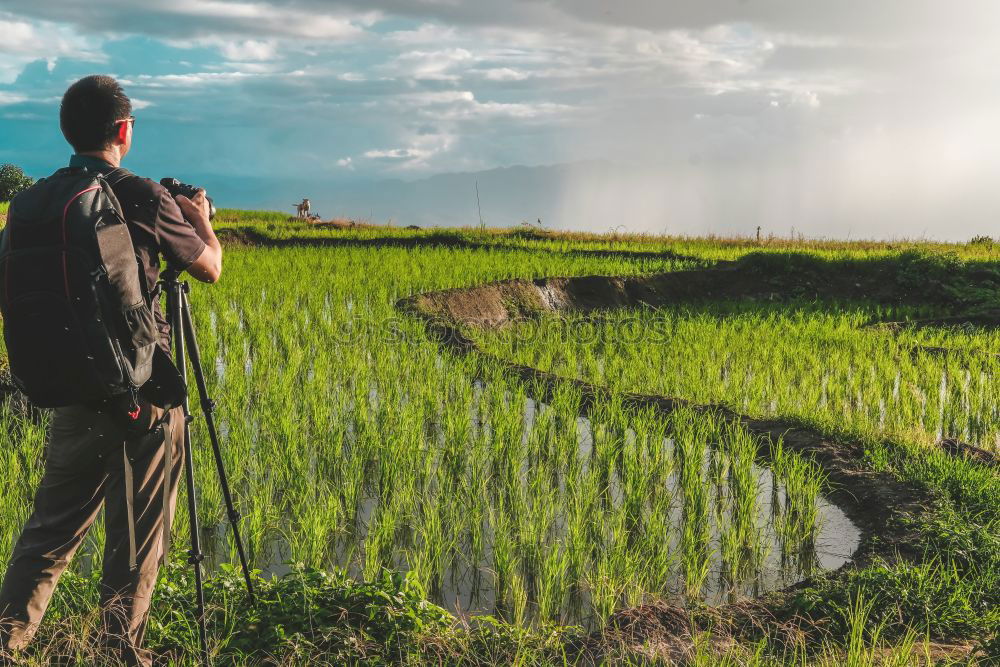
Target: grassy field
x=406 y=504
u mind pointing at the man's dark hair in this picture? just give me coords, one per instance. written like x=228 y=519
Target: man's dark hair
x=89 y=110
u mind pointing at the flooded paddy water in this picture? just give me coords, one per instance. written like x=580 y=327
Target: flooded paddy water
x=717 y=529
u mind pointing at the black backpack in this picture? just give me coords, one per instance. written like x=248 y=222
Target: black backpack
x=77 y=316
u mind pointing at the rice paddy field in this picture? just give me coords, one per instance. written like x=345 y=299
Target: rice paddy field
x=814 y=361
x=406 y=503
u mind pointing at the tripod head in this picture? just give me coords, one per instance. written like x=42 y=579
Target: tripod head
x=169 y=275
x=171 y=285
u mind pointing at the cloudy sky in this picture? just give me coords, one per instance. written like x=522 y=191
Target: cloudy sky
x=844 y=119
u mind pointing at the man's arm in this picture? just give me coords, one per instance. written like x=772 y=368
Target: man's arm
x=208 y=266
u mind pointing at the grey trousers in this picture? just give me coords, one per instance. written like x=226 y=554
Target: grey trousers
x=85 y=470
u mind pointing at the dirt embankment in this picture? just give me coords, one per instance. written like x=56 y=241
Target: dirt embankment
x=497 y=304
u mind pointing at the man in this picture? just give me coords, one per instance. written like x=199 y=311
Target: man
x=84 y=467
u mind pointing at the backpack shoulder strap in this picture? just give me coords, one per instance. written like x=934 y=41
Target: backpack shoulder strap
x=116 y=176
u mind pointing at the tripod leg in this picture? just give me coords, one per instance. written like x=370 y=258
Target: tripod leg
x=195 y=556
x=208 y=408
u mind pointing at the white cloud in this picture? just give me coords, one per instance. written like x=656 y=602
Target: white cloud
x=23 y=41
x=256 y=68
x=503 y=74
x=23 y=115
x=250 y=49
x=426 y=98
x=266 y=18
x=463 y=105
x=432 y=65
x=416 y=154
x=181 y=81
x=11 y=98
x=426 y=33
x=505 y=109
x=397 y=154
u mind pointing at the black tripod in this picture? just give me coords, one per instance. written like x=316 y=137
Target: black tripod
x=185 y=343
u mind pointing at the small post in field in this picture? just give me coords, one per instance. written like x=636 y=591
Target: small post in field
x=479 y=206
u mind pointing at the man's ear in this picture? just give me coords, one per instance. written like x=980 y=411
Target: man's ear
x=122 y=136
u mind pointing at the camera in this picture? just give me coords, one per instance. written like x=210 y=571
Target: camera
x=175 y=188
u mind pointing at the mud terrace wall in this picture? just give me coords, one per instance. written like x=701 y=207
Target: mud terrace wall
x=496 y=304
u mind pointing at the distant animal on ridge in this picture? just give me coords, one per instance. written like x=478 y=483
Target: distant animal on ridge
x=302 y=209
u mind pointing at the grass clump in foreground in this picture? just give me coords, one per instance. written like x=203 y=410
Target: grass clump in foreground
x=304 y=615
x=325 y=618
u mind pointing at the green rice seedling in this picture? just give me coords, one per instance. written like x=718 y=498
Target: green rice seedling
x=505 y=563
x=518 y=599
x=605 y=580
x=691 y=449
x=552 y=577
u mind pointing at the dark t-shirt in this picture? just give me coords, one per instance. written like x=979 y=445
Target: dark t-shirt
x=157 y=227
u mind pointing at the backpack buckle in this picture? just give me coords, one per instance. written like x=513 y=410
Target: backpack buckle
x=135 y=408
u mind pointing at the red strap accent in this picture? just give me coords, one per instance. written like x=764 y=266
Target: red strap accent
x=65 y=211
x=134 y=414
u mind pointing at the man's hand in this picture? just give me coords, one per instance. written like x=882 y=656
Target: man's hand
x=208 y=266
x=195 y=210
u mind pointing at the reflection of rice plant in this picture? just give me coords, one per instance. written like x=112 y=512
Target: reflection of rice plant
x=379 y=542
x=436 y=540
x=743 y=549
x=796 y=521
